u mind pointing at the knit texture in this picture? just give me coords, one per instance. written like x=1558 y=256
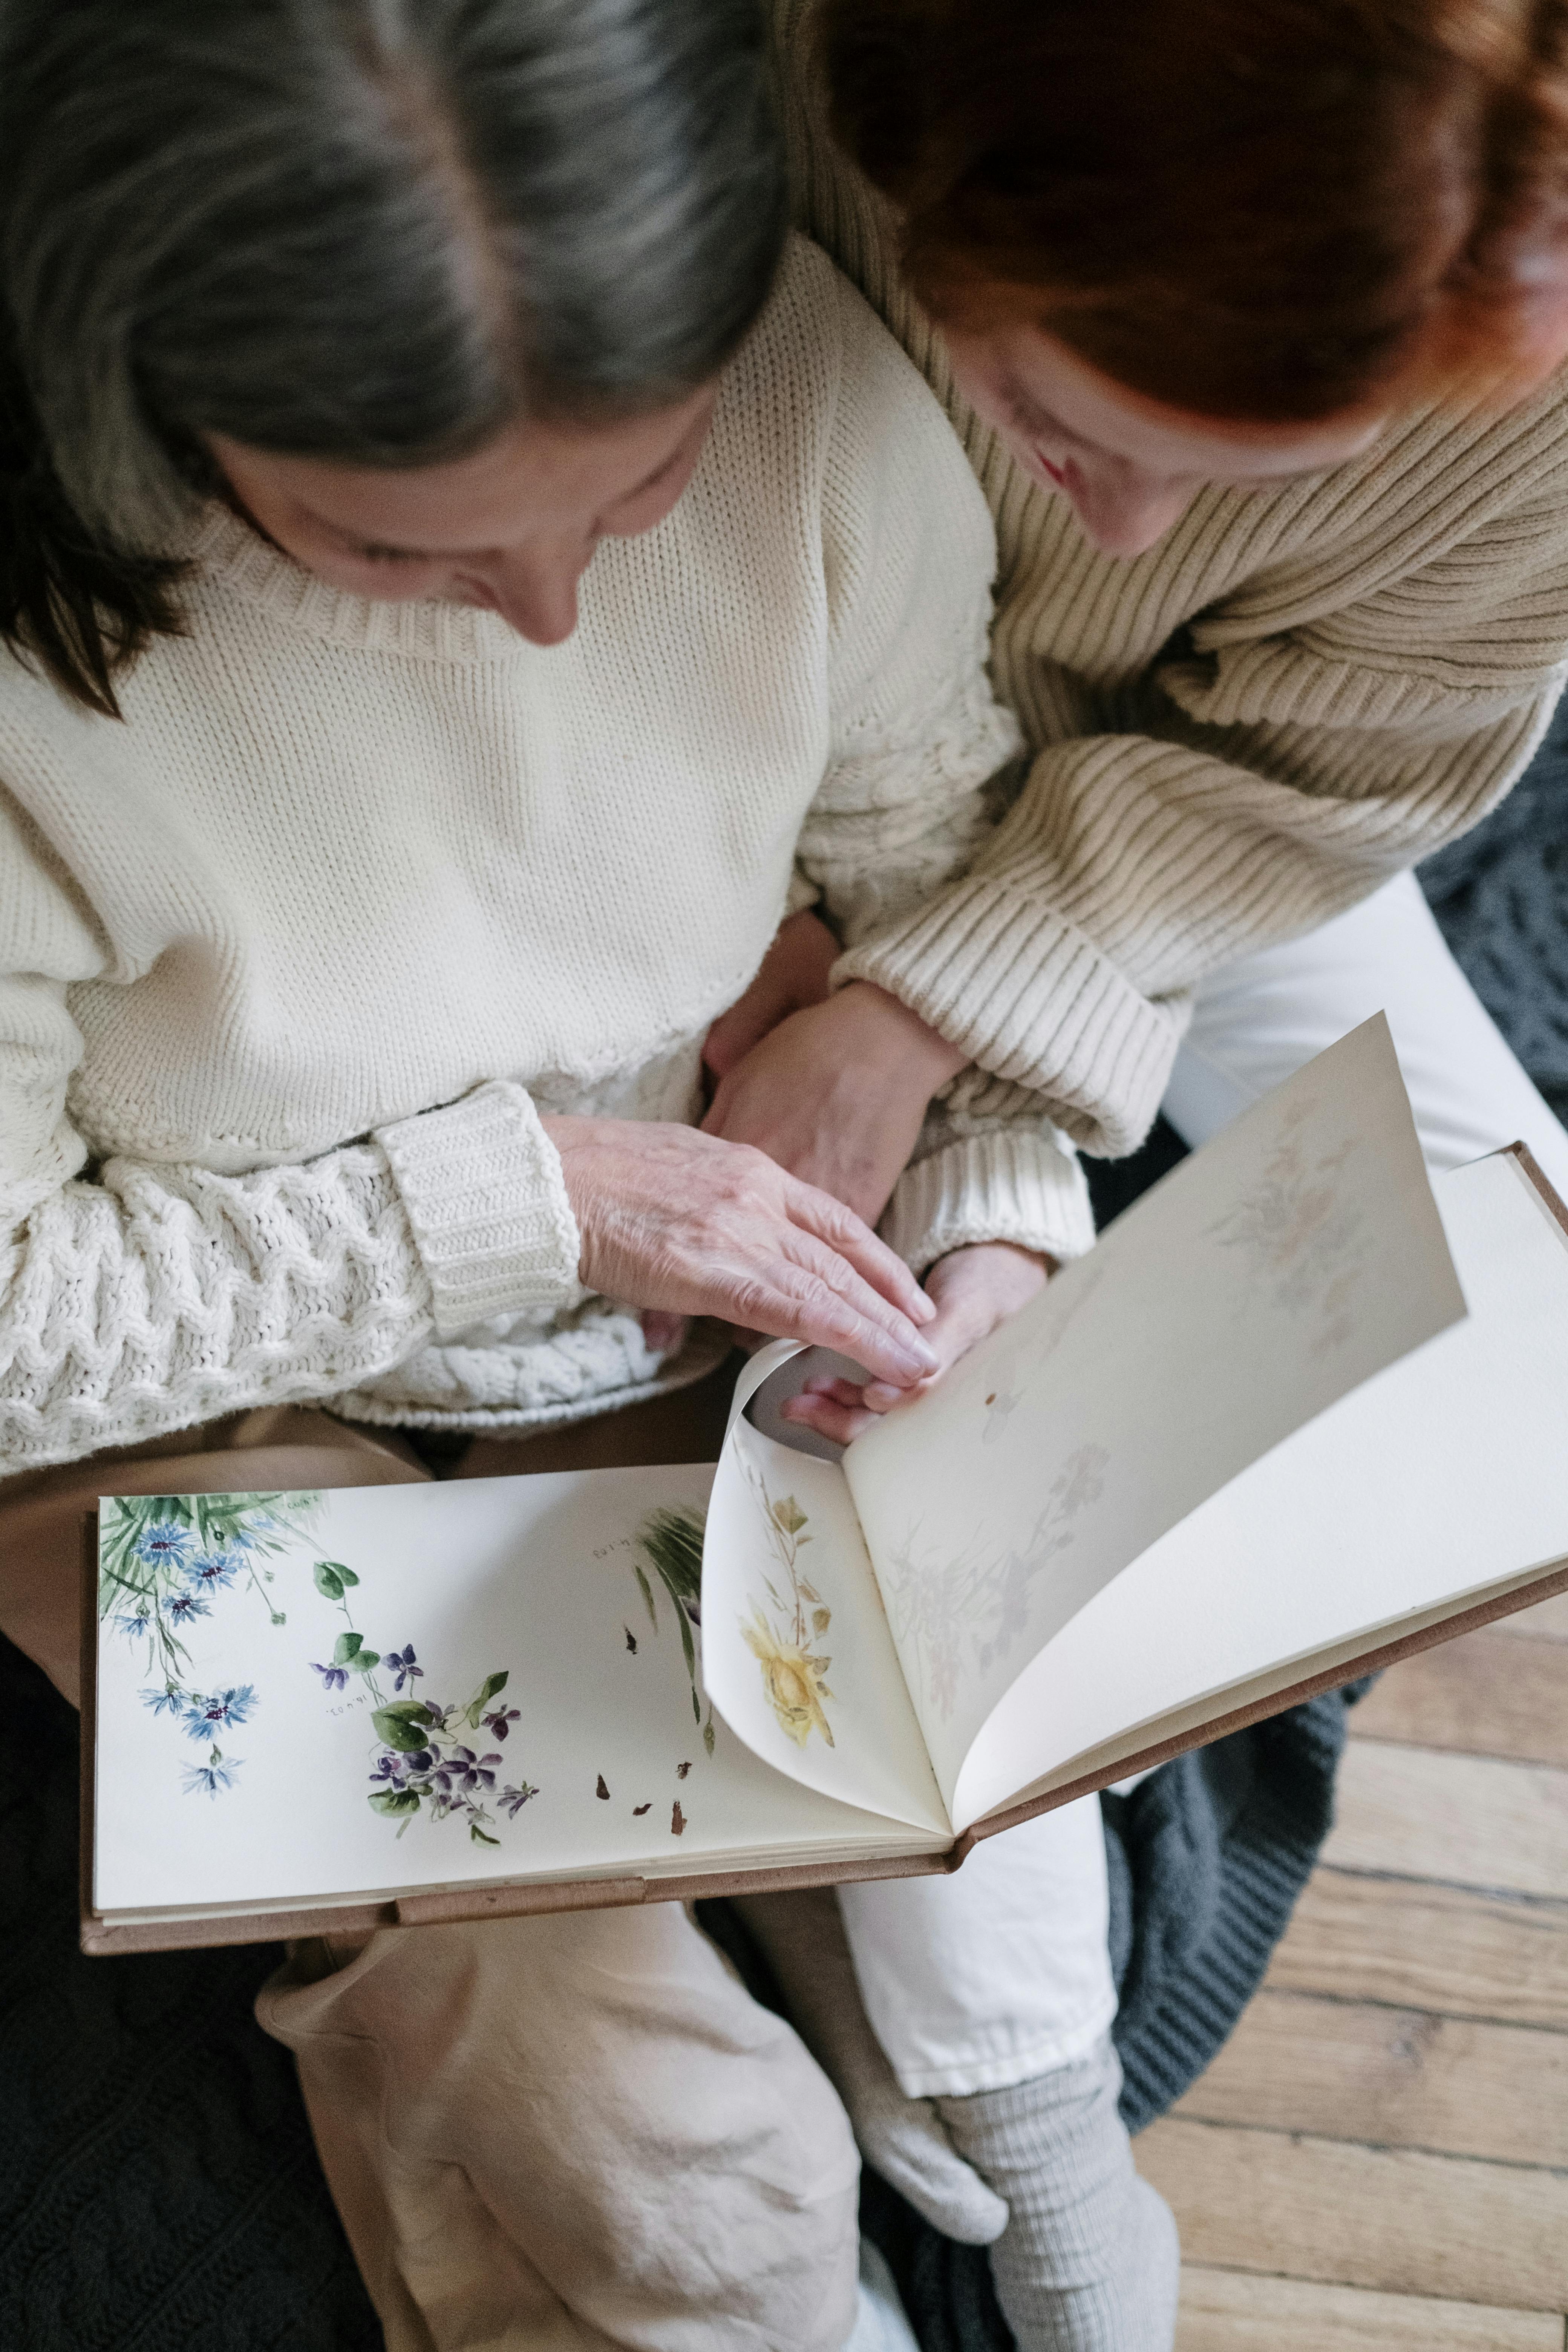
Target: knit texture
x=1089 y=2259
x=359 y=870
x=1298 y=692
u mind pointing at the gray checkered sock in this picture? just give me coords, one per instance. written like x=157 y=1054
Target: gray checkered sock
x=1090 y=2259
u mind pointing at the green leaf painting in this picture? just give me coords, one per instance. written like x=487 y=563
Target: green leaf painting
x=670 y=1540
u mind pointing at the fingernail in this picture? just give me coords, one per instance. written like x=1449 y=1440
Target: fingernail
x=920 y=1358
x=927 y=1305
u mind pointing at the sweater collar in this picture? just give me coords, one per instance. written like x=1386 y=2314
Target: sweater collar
x=228 y=555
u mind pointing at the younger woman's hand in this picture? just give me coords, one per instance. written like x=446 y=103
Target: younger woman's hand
x=974 y=1290
x=838 y=1093
x=687 y=1224
x=792 y=976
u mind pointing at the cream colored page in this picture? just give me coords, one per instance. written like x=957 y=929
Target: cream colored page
x=1442 y=1474
x=798 y=1655
x=238 y=1748
x=1276 y=1270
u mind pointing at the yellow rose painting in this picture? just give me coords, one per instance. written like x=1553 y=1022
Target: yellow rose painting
x=792 y=1680
x=793 y=1676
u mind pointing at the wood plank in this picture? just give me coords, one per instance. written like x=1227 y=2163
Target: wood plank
x=1229 y=2311
x=1464 y=1819
x=1438 y=1947
x=1484 y=1695
x=1399 y=2077
x=1548 y=1620
x=1385 y=2218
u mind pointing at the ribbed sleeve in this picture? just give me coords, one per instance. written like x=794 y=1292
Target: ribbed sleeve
x=1014 y=1184
x=1030 y=998
x=482 y=1185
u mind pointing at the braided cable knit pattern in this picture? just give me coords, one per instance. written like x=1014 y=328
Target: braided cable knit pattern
x=157 y=1298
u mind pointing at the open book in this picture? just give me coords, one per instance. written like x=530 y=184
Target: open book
x=1297 y=1412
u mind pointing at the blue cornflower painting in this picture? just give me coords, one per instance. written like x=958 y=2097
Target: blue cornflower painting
x=204 y=1718
x=164 y=1562
x=163 y=1543
x=208 y=1779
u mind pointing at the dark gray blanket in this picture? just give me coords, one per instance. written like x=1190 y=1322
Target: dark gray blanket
x=158 y=2188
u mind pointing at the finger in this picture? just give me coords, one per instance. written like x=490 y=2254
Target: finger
x=842 y=1424
x=663 y=1332
x=809 y=1293
x=818 y=1212
x=881 y=1396
x=832 y=1385
x=914 y=1360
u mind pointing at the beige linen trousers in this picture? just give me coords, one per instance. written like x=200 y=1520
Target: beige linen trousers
x=569 y=2134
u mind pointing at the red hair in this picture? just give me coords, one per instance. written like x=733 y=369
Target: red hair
x=1262 y=210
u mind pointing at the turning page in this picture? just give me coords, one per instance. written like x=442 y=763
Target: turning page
x=1298 y=1254
x=1436 y=1483
x=797 y=1656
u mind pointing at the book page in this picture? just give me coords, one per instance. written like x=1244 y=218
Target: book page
x=796 y=1651
x=1268 y=1275
x=1440 y=1478
x=303 y=1698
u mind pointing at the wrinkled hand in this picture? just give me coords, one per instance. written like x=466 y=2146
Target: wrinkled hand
x=688 y=1224
x=837 y=1092
x=973 y=1289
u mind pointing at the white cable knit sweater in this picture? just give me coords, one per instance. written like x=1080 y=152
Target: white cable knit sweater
x=289 y=959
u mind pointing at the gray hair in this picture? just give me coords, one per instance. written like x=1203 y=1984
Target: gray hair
x=367 y=230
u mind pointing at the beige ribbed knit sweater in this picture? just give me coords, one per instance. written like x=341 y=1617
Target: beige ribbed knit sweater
x=297 y=953
x=1295 y=694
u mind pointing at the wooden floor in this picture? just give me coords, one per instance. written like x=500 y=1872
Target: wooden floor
x=1378 y=2162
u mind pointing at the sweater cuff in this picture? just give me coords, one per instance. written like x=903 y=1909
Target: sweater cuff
x=1027 y=996
x=482 y=1186
x=1011 y=1185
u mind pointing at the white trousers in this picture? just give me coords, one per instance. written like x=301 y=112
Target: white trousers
x=1001 y=1972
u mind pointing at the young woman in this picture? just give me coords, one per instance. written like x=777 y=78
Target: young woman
x=1249 y=320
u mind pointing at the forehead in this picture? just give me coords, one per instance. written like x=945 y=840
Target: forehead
x=1046 y=386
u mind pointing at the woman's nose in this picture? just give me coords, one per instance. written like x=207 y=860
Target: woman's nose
x=536 y=593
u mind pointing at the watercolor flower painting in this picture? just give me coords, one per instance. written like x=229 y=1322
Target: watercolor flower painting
x=957 y=1614
x=794 y=1674
x=423 y=1759
x=426 y=1764
x=164 y=1561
